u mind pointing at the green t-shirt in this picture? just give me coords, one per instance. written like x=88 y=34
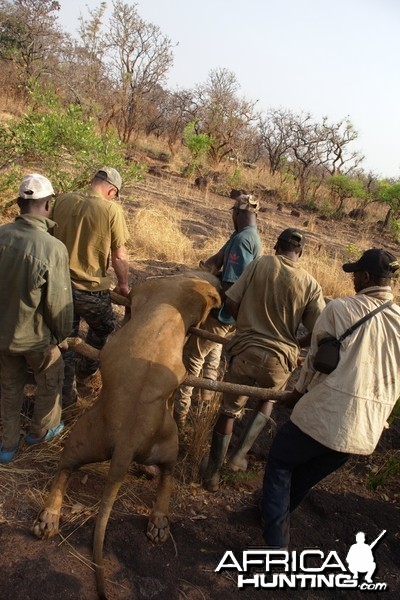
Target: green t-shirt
x=90 y=227
x=239 y=251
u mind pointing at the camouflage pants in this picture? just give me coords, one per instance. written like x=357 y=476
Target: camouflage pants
x=96 y=309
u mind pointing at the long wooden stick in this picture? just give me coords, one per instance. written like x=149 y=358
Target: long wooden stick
x=81 y=347
x=207 y=335
x=119 y=299
x=233 y=388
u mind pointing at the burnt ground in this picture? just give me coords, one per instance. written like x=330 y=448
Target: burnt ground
x=203 y=525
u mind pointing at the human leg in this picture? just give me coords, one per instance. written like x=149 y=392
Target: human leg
x=289 y=475
x=267 y=371
x=231 y=407
x=69 y=392
x=196 y=352
x=96 y=309
x=13 y=377
x=317 y=468
x=48 y=369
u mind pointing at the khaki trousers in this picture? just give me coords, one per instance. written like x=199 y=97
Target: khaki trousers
x=253 y=366
x=48 y=370
x=200 y=355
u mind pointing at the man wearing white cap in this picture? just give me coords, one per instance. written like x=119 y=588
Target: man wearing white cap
x=35 y=316
x=93 y=227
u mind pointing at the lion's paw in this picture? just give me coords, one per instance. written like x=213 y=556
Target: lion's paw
x=158 y=528
x=46 y=524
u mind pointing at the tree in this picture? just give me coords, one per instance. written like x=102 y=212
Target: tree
x=139 y=56
x=63 y=141
x=336 y=154
x=222 y=115
x=389 y=193
x=275 y=137
x=344 y=187
x=30 y=37
x=82 y=77
x=171 y=112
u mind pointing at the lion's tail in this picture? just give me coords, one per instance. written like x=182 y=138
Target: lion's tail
x=107 y=502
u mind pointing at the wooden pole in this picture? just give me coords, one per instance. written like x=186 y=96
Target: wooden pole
x=81 y=347
x=233 y=388
x=207 y=335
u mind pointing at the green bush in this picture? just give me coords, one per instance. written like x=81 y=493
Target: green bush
x=61 y=143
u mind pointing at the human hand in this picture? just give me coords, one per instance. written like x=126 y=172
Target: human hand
x=290 y=399
x=63 y=346
x=122 y=290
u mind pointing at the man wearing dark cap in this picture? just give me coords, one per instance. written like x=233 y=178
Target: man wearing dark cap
x=269 y=301
x=35 y=317
x=228 y=263
x=93 y=227
x=344 y=412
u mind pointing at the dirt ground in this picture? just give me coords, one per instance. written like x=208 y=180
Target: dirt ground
x=203 y=525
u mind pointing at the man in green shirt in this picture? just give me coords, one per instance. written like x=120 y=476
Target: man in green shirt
x=93 y=228
x=35 y=316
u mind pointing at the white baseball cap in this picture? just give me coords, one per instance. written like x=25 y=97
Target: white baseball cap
x=35 y=187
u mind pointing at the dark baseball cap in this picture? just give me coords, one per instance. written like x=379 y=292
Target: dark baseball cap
x=376 y=262
x=293 y=236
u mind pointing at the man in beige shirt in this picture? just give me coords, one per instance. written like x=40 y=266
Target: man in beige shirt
x=270 y=300
x=344 y=412
x=93 y=228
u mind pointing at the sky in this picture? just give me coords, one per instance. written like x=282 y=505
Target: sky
x=329 y=58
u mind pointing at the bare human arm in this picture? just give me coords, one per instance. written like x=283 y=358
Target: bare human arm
x=215 y=262
x=119 y=261
x=232 y=306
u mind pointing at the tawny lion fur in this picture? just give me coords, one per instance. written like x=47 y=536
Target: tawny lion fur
x=141 y=367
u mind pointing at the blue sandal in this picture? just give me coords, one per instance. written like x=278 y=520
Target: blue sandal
x=6 y=456
x=50 y=435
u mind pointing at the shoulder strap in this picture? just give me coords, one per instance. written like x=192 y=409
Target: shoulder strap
x=363 y=319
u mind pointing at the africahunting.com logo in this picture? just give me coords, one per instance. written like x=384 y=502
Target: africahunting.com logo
x=280 y=569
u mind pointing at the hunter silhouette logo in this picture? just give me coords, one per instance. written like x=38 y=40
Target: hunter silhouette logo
x=311 y=569
x=360 y=558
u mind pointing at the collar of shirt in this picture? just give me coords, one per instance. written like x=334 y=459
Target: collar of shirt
x=381 y=292
x=36 y=221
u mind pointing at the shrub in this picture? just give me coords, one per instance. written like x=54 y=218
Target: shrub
x=61 y=143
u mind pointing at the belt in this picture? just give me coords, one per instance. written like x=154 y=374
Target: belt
x=98 y=293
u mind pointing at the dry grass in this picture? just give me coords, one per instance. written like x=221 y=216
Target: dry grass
x=156 y=233
x=328 y=271
x=201 y=420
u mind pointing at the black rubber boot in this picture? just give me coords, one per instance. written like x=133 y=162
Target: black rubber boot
x=238 y=462
x=210 y=470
